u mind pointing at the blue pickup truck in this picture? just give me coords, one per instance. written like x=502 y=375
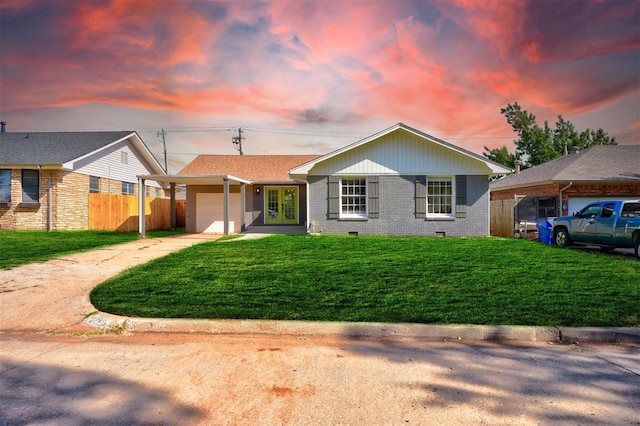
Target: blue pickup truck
x=608 y=224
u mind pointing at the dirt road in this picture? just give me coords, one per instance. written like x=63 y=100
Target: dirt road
x=162 y=378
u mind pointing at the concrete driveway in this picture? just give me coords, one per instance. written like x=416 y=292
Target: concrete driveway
x=54 y=295
x=55 y=369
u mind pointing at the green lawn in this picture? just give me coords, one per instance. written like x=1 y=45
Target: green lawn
x=388 y=279
x=22 y=247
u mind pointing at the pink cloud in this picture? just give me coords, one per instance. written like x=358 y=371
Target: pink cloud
x=445 y=66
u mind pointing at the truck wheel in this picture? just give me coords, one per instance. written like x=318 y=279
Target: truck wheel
x=637 y=249
x=562 y=237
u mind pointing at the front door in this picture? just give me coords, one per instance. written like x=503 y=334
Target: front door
x=281 y=205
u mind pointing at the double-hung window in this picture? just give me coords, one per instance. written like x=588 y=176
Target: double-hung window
x=441 y=196
x=127 y=188
x=353 y=197
x=94 y=184
x=30 y=186
x=5 y=186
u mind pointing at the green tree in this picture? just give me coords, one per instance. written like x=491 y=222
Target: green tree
x=536 y=145
x=501 y=156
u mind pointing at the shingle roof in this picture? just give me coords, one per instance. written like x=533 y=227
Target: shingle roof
x=600 y=163
x=250 y=167
x=52 y=147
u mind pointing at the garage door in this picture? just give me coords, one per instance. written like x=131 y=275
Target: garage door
x=210 y=213
x=577 y=203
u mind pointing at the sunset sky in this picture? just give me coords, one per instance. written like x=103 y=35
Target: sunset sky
x=307 y=77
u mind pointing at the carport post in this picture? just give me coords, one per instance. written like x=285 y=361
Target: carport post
x=172 y=195
x=226 y=205
x=141 y=202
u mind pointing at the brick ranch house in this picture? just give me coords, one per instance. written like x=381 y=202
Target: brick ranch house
x=399 y=181
x=563 y=186
x=46 y=177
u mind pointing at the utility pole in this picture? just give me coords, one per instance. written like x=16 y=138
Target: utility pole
x=162 y=134
x=237 y=141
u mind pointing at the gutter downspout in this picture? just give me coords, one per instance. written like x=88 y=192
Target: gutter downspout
x=561 y=202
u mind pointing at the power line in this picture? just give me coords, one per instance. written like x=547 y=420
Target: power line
x=307 y=133
x=197 y=129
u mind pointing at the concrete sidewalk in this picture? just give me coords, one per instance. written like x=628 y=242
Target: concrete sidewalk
x=54 y=295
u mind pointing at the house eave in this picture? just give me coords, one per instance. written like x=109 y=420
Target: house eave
x=275 y=182
x=195 y=179
x=524 y=185
x=31 y=166
x=565 y=182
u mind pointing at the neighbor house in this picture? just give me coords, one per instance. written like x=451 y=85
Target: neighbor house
x=46 y=177
x=563 y=186
x=400 y=181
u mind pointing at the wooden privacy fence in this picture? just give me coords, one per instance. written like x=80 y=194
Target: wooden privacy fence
x=108 y=212
x=502 y=220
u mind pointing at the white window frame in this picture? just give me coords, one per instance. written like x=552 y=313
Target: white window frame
x=7 y=186
x=92 y=188
x=442 y=178
x=361 y=215
x=128 y=188
x=28 y=189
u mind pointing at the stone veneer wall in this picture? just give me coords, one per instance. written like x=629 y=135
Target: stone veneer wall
x=69 y=201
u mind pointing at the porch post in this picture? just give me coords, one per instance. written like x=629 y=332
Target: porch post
x=243 y=206
x=172 y=208
x=226 y=206
x=141 y=202
x=309 y=228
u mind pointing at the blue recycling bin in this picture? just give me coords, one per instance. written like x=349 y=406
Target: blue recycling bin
x=544 y=230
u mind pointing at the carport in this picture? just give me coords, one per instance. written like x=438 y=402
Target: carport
x=224 y=180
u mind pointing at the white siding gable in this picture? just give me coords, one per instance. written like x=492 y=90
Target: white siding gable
x=400 y=153
x=107 y=163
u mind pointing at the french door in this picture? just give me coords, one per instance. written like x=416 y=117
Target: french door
x=281 y=205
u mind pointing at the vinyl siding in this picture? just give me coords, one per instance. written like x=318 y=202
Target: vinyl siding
x=107 y=163
x=400 y=153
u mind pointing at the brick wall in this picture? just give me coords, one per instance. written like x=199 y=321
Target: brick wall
x=576 y=190
x=397 y=210
x=7 y=212
x=550 y=190
x=71 y=204
x=19 y=215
